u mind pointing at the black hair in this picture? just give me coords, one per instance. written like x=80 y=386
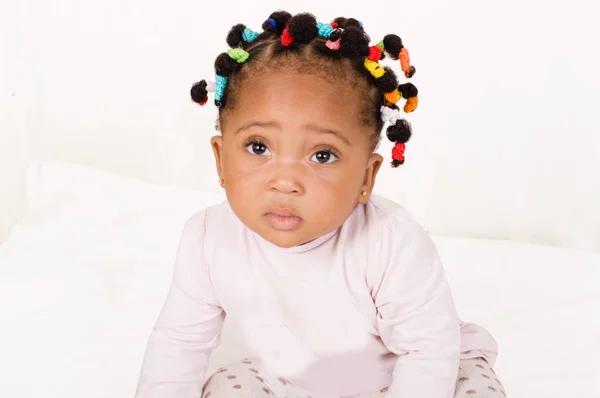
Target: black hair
x=341 y=46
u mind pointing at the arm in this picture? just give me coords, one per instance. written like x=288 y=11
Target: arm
x=188 y=327
x=416 y=315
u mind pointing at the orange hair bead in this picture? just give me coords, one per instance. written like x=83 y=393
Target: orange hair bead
x=411 y=104
x=404 y=60
x=393 y=96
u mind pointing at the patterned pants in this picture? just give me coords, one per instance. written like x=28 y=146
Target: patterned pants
x=245 y=379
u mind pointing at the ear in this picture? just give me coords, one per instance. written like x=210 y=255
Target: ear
x=373 y=166
x=217 y=146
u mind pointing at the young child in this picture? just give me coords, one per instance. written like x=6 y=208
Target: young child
x=340 y=293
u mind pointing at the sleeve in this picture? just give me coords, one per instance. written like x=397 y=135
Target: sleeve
x=188 y=327
x=417 y=318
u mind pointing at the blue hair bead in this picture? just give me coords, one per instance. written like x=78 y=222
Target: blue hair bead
x=220 y=84
x=249 y=35
x=272 y=22
x=325 y=29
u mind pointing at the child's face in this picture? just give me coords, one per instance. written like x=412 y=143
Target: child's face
x=295 y=156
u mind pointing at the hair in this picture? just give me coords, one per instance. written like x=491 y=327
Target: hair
x=336 y=50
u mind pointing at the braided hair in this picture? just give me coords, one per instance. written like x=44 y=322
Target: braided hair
x=322 y=46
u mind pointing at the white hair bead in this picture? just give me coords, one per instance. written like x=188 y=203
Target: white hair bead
x=210 y=86
x=390 y=115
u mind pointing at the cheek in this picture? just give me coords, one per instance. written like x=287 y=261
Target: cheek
x=245 y=168
x=236 y=162
x=344 y=177
x=336 y=188
x=244 y=175
x=330 y=202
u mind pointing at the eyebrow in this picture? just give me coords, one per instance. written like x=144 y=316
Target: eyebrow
x=255 y=123
x=311 y=126
x=325 y=130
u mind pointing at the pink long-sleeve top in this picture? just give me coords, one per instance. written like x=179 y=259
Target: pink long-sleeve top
x=364 y=307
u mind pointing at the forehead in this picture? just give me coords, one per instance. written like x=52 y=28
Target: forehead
x=291 y=96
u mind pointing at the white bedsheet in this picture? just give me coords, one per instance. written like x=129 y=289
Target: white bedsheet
x=83 y=278
x=75 y=325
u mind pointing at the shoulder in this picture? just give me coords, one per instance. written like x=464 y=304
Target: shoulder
x=210 y=221
x=383 y=229
x=396 y=230
x=383 y=216
x=403 y=249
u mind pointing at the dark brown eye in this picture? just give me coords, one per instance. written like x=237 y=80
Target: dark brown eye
x=324 y=157
x=258 y=149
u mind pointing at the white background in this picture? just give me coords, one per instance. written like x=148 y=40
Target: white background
x=506 y=141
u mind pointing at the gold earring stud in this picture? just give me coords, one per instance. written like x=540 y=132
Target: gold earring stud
x=364 y=193
x=221 y=181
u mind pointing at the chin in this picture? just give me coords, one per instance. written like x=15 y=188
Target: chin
x=285 y=240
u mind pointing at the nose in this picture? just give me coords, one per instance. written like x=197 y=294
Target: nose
x=287 y=179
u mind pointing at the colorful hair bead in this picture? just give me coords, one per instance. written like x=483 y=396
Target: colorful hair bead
x=393 y=46
x=398 y=154
x=249 y=35
x=239 y=55
x=325 y=30
x=220 y=84
x=286 y=39
x=375 y=53
x=399 y=133
x=404 y=60
x=390 y=115
x=410 y=92
x=393 y=96
x=375 y=68
x=334 y=45
x=411 y=104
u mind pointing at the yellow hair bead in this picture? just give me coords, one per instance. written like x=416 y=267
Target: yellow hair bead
x=375 y=68
x=393 y=96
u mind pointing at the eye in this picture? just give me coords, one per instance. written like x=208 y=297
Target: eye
x=258 y=149
x=324 y=157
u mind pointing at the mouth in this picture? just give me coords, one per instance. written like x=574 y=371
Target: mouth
x=283 y=219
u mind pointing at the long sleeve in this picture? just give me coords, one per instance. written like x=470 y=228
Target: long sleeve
x=417 y=318
x=188 y=327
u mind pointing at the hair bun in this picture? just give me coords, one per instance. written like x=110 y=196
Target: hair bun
x=199 y=93
x=303 y=28
x=408 y=90
x=388 y=82
x=280 y=18
x=336 y=34
x=225 y=65
x=340 y=21
x=355 y=43
x=352 y=22
x=235 y=37
x=393 y=45
x=401 y=131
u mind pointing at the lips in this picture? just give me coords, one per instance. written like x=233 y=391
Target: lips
x=283 y=219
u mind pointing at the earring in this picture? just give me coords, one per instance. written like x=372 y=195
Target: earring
x=364 y=193
x=221 y=181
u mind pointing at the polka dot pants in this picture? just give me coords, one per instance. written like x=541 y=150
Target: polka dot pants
x=476 y=379
x=245 y=379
